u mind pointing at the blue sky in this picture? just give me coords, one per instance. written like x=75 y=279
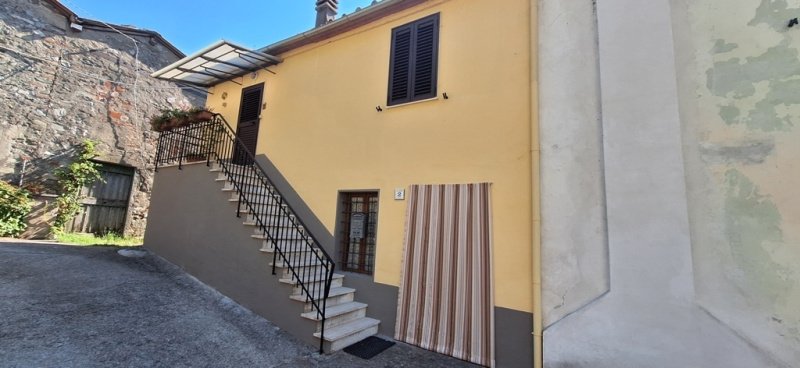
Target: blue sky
x=193 y=24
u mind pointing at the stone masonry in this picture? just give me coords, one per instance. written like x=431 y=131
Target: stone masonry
x=60 y=85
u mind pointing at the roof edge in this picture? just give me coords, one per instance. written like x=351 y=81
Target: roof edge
x=341 y=25
x=101 y=25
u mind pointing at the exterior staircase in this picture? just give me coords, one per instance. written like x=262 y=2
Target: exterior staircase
x=295 y=257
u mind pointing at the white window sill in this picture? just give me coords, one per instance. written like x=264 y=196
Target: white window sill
x=413 y=102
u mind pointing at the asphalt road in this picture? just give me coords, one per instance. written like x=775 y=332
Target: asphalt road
x=64 y=306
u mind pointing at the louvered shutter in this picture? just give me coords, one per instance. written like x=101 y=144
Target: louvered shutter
x=247 y=127
x=413 y=61
x=251 y=104
x=423 y=83
x=400 y=70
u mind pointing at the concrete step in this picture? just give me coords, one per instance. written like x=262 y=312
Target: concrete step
x=336 y=311
x=296 y=239
x=260 y=189
x=291 y=255
x=248 y=176
x=310 y=280
x=271 y=220
x=344 y=335
x=265 y=211
x=338 y=315
x=337 y=295
x=286 y=233
x=314 y=272
x=262 y=204
x=311 y=261
x=276 y=226
x=317 y=287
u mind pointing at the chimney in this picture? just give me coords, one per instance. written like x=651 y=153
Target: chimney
x=326 y=11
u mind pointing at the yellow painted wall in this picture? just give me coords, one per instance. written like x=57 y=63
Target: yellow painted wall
x=321 y=129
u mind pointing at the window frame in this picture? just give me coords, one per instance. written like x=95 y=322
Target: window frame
x=413 y=27
x=365 y=262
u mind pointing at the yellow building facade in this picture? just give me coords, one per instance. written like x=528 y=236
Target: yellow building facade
x=326 y=125
x=321 y=128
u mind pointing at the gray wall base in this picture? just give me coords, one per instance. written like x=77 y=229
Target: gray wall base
x=193 y=225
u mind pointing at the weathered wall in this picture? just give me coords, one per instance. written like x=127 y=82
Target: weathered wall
x=740 y=111
x=698 y=119
x=574 y=253
x=60 y=87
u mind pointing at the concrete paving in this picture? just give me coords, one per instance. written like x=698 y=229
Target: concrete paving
x=64 y=306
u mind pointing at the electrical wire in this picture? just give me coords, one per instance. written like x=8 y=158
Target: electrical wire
x=90 y=75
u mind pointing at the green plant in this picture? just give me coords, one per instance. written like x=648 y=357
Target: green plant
x=71 y=179
x=15 y=204
x=174 y=118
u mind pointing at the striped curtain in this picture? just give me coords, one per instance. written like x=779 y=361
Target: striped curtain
x=445 y=300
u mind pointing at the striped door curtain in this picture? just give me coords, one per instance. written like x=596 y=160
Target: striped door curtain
x=445 y=300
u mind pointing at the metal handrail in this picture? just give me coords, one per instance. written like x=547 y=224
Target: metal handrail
x=310 y=266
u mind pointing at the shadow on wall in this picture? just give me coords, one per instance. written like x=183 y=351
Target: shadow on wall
x=37 y=175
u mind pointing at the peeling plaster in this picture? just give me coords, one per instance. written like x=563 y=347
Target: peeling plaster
x=747 y=153
x=752 y=222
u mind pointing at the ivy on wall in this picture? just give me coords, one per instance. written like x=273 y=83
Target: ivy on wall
x=71 y=179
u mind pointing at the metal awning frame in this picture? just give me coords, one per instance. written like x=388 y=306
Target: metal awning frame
x=215 y=69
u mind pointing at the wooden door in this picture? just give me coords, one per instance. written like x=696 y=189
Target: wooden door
x=105 y=205
x=247 y=126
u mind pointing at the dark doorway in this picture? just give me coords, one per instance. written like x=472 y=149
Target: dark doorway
x=247 y=126
x=359 y=222
x=105 y=205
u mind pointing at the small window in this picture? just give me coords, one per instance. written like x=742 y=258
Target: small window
x=359 y=222
x=413 y=61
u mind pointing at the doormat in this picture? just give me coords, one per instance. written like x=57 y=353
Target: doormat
x=369 y=347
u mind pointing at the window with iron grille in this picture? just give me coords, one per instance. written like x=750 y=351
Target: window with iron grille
x=358 y=224
x=413 y=61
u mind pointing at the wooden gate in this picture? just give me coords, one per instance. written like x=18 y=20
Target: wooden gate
x=105 y=205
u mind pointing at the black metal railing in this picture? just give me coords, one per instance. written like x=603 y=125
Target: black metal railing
x=308 y=264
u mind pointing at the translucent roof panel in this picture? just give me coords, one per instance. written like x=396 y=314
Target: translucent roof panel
x=217 y=63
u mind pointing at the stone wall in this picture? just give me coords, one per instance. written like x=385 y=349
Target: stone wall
x=61 y=86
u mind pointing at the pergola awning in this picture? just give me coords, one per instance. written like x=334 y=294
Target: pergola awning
x=220 y=62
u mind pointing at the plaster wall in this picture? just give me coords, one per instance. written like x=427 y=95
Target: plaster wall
x=698 y=173
x=321 y=129
x=574 y=253
x=740 y=109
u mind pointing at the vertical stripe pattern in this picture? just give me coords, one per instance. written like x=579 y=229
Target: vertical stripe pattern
x=445 y=301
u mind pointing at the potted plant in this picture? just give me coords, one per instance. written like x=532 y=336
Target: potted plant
x=175 y=118
x=199 y=114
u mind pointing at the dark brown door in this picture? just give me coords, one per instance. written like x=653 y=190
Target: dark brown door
x=247 y=127
x=359 y=225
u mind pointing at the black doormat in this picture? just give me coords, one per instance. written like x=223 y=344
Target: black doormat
x=369 y=347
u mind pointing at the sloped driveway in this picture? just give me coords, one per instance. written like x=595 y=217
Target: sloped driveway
x=63 y=306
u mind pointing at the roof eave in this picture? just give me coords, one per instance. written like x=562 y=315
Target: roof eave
x=341 y=25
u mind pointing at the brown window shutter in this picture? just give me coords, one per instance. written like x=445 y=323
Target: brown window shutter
x=425 y=58
x=400 y=69
x=413 y=61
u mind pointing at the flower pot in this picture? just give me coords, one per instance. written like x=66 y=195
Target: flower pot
x=203 y=116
